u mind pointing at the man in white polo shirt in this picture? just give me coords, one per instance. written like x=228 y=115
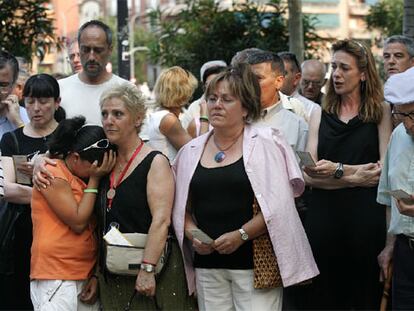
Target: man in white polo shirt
x=81 y=92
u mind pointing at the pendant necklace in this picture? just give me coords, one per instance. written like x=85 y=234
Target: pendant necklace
x=111 y=192
x=221 y=155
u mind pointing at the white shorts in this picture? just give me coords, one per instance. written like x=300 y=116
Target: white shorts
x=229 y=290
x=54 y=295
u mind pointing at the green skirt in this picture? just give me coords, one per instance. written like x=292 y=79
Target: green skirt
x=171 y=291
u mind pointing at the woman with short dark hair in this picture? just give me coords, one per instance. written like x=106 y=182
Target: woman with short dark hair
x=42 y=98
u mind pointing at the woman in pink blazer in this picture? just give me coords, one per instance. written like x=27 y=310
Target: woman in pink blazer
x=218 y=175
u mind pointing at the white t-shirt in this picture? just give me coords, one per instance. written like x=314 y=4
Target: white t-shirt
x=157 y=140
x=79 y=98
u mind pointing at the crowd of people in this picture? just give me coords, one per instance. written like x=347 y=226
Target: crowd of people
x=280 y=188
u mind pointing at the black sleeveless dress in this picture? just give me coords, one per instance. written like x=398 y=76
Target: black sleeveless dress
x=131 y=211
x=346 y=227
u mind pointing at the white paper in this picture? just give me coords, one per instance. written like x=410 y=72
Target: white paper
x=400 y=194
x=306 y=158
x=20 y=177
x=114 y=236
x=201 y=236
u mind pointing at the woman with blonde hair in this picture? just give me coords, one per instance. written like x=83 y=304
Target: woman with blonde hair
x=173 y=90
x=345 y=225
x=138 y=197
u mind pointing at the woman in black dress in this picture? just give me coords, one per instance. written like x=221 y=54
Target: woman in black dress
x=345 y=225
x=42 y=97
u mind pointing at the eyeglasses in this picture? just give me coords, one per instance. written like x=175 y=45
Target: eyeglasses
x=212 y=100
x=402 y=115
x=100 y=144
x=307 y=83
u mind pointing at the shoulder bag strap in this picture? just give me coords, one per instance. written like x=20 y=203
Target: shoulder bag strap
x=16 y=142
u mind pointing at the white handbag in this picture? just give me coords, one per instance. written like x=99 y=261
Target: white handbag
x=126 y=260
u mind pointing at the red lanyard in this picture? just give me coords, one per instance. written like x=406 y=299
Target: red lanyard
x=111 y=192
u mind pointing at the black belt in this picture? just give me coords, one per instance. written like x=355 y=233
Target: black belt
x=407 y=239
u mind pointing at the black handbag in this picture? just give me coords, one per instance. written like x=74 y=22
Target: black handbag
x=9 y=213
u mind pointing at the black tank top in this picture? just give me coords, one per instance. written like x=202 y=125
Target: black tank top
x=222 y=201
x=130 y=207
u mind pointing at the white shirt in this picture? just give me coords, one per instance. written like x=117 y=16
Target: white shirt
x=80 y=98
x=310 y=106
x=398 y=173
x=293 y=127
x=156 y=139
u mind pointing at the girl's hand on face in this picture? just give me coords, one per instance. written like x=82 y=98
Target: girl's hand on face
x=106 y=167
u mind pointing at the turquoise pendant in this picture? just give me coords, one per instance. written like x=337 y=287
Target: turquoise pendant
x=219 y=157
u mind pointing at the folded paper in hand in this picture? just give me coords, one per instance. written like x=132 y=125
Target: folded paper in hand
x=115 y=237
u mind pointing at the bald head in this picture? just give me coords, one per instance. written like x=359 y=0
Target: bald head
x=313 y=79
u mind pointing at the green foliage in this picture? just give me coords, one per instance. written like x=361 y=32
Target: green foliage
x=203 y=31
x=387 y=16
x=26 y=28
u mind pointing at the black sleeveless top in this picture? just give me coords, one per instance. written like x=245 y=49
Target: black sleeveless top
x=221 y=202
x=130 y=207
x=355 y=142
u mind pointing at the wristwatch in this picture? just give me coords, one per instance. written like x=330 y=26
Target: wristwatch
x=147 y=267
x=244 y=235
x=339 y=172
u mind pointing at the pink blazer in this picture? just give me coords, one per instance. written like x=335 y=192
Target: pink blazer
x=276 y=179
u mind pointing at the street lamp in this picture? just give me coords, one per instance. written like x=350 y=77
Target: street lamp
x=133 y=49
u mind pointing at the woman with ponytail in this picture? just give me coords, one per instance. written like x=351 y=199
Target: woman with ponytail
x=64 y=247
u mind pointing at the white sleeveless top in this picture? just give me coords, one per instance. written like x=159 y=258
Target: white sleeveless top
x=156 y=139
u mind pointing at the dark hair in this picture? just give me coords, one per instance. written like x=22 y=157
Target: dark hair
x=212 y=71
x=290 y=58
x=7 y=58
x=41 y=85
x=243 y=84
x=72 y=135
x=259 y=57
x=96 y=23
x=44 y=85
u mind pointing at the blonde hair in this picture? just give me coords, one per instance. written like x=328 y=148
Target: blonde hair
x=132 y=98
x=372 y=94
x=174 y=87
